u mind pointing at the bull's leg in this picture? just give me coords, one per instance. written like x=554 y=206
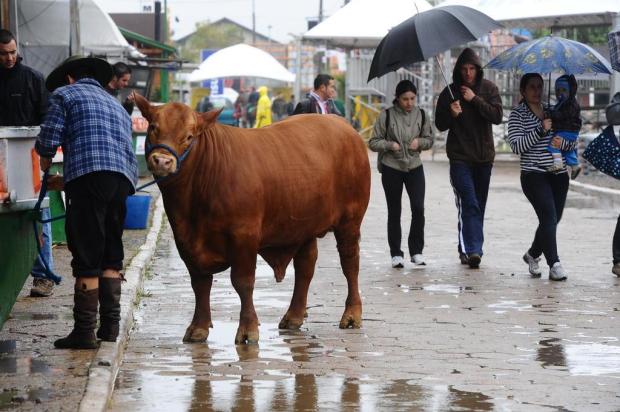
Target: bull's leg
x=198 y=330
x=347 y=238
x=304 y=262
x=242 y=274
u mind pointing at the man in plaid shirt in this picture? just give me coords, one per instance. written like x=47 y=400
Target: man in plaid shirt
x=100 y=171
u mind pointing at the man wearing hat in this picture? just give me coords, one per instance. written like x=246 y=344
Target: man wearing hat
x=100 y=171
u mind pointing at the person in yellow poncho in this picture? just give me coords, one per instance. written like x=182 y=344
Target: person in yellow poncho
x=263 y=108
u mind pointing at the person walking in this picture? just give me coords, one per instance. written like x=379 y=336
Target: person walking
x=100 y=171
x=23 y=102
x=529 y=136
x=263 y=108
x=319 y=100
x=400 y=133
x=470 y=147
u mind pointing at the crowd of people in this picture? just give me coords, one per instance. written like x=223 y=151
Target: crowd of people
x=543 y=136
x=78 y=108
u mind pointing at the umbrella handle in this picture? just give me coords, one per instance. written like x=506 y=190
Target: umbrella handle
x=445 y=79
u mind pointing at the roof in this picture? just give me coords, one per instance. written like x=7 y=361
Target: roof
x=227 y=21
x=130 y=35
x=141 y=23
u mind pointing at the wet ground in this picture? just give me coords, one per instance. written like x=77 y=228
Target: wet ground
x=34 y=375
x=443 y=337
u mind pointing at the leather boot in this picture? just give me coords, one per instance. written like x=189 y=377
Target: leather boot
x=109 y=308
x=85 y=316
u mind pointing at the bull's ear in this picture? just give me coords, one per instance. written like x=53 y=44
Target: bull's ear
x=144 y=106
x=208 y=118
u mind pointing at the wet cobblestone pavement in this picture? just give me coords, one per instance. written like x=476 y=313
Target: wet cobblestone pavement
x=442 y=337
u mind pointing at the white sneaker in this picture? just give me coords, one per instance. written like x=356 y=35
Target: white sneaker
x=556 y=272
x=418 y=259
x=398 y=262
x=532 y=264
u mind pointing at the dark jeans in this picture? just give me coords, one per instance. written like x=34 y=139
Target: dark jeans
x=470 y=183
x=94 y=222
x=547 y=194
x=414 y=182
x=616 y=245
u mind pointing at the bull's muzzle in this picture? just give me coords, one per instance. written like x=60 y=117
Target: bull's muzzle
x=161 y=164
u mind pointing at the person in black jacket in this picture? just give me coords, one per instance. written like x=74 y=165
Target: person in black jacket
x=319 y=100
x=23 y=102
x=467 y=108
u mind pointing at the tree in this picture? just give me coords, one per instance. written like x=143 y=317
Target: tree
x=210 y=36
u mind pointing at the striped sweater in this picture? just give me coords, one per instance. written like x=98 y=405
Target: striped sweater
x=528 y=139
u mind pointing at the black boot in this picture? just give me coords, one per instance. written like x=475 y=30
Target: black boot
x=85 y=316
x=109 y=308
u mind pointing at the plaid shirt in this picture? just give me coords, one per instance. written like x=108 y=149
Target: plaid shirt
x=93 y=129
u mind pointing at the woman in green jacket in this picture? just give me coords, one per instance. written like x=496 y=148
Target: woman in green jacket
x=399 y=135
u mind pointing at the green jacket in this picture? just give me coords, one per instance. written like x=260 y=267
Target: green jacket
x=403 y=128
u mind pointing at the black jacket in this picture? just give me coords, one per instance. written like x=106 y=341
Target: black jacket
x=311 y=105
x=470 y=136
x=566 y=115
x=23 y=96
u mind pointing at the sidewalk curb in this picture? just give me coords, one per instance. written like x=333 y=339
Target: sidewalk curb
x=107 y=360
x=611 y=197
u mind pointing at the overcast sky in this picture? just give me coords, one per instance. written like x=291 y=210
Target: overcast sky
x=284 y=16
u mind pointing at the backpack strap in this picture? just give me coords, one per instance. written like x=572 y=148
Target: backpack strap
x=423 y=120
x=387 y=123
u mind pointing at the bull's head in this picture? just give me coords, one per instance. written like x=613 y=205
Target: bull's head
x=171 y=132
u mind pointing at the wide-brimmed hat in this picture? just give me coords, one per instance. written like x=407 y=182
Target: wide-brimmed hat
x=101 y=69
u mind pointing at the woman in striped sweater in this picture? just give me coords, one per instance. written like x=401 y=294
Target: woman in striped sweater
x=529 y=135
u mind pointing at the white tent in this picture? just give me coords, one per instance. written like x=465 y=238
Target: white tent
x=241 y=60
x=44 y=32
x=537 y=14
x=363 y=23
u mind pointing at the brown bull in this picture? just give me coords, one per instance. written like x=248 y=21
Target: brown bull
x=239 y=193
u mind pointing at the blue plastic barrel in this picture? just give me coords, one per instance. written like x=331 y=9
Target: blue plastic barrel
x=137 y=211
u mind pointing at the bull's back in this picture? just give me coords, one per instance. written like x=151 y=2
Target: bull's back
x=311 y=170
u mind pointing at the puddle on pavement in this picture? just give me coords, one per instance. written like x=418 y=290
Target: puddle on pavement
x=504 y=305
x=593 y=359
x=29 y=366
x=10 y=399
x=550 y=352
x=34 y=316
x=7 y=346
x=439 y=288
x=295 y=392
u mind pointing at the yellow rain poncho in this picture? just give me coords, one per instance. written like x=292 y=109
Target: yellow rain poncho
x=263 y=109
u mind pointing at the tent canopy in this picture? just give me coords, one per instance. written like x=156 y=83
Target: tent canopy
x=44 y=32
x=363 y=23
x=241 y=60
x=537 y=14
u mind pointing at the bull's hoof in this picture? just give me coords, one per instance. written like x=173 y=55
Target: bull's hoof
x=196 y=334
x=246 y=337
x=290 y=323
x=350 y=321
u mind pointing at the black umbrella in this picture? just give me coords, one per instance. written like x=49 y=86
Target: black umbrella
x=427 y=34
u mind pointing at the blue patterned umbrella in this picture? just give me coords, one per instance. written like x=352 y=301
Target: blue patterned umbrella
x=551 y=54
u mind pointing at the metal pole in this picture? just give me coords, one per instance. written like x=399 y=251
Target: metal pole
x=445 y=78
x=74 y=34
x=320 y=11
x=164 y=86
x=253 y=22
x=299 y=69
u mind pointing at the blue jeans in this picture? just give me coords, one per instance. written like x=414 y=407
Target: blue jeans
x=38 y=269
x=470 y=183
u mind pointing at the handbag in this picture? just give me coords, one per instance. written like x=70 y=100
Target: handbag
x=604 y=153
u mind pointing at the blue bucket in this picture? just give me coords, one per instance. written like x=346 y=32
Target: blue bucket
x=137 y=212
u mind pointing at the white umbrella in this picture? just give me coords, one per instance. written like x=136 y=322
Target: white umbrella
x=363 y=23
x=241 y=60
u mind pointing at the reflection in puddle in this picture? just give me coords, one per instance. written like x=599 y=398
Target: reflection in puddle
x=7 y=346
x=509 y=304
x=10 y=399
x=593 y=359
x=11 y=365
x=33 y=316
x=439 y=288
x=551 y=353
